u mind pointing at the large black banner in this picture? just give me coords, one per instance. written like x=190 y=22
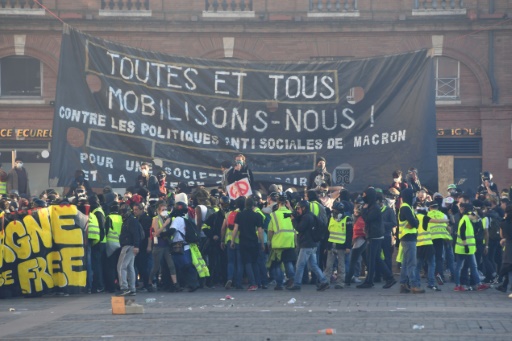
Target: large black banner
x=117 y=106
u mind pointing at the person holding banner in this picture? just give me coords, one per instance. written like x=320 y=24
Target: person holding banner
x=240 y=171
x=320 y=175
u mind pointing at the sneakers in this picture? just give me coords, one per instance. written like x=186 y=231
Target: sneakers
x=482 y=287
x=142 y=290
x=292 y=288
x=404 y=289
x=272 y=282
x=132 y=293
x=124 y=292
x=433 y=287
x=469 y=288
x=356 y=280
x=389 y=283
x=338 y=286
x=510 y=296
x=151 y=288
x=228 y=285
x=323 y=286
x=364 y=285
x=501 y=288
x=278 y=288
x=439 y=279
x=459 y=288
x=253 y=288
x=417 y=290
x=289 y=283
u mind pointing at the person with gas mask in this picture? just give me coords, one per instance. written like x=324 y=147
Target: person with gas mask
x=17 y=179
x=240 y=171
x=79 y=181
x=339 y=243
x=129 y=239
x=320 y=175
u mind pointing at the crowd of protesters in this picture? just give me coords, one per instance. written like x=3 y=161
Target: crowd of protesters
x=172 y=239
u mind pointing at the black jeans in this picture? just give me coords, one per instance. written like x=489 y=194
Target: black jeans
x=354 y=256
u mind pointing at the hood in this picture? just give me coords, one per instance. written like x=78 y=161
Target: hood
x=407 y=195
x=371 y=196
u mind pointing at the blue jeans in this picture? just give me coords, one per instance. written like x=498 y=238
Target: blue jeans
x=277 y=273
x=355 y=254
x=235 y=262
x=89 y=267
x=261 y=274
x=431 y=265
x=185 y=269
x=308 y=256
x=409 y=263
x=461 y=259
x=126 y=269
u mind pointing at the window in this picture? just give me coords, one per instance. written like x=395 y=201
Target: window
x=20 y=76
x=447 y=79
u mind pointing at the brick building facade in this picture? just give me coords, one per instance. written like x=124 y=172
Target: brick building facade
x=471 y=39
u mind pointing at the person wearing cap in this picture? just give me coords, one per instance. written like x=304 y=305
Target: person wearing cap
x=465 y=248
x=319 y=175
x=441 y=239
x=18 y=180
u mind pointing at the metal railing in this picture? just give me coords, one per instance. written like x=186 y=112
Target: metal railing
x=447 y=88
x=228 y=5
x=20 y=4
x=333 y=5
x=438 y=4
x=127 y=5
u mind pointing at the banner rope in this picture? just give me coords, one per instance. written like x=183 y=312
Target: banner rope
x=51 y=13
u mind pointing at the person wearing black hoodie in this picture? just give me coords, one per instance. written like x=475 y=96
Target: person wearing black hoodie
x=374 y=230
x=129 y=239
x=408 y=225
x=307 y=254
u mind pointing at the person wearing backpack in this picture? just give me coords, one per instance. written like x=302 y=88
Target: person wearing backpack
x=185 y=269
x=304 y=223
x=374 y=230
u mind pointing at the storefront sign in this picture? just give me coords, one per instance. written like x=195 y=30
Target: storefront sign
x=26 y=133
x=459 y=132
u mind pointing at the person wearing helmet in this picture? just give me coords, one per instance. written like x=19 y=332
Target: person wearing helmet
x=183 y=261
x=487 y=186
x=339 y=243
x=271 y=202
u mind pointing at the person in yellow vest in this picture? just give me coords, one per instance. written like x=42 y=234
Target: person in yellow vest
x=281 y=243
x=465 y=247
x=425 y=247
x=113 y=224
x=442 y=239
x=98 y=249
x=3 y=181
x=339 y=243
x=408 y=227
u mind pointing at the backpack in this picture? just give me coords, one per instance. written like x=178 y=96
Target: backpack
x=231 y=219
x=319 y=229
x=494 y=225
x=191 y=235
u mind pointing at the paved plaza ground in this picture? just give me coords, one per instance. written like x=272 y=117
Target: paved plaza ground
x=356 y=314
